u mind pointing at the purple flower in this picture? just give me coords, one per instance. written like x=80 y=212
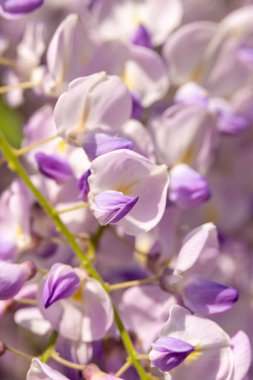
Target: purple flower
x=19 y=7
x=137 y=108
x=208 y=297
x=187 y=187
x=62 y=282
x=83 y=185
x=54 y=166
x=230 y=123
x=168 y=353
x=111 y=206
x=13 y=277
x=99 y=143
x=142 y=37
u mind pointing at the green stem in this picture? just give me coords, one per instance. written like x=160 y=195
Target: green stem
x=50 y=347
x=73 y=208
x=66 y=363
x=128 y=284
x=18 y=353
x=15 y=165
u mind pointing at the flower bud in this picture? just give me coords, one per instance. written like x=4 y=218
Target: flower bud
x=168 y=353
x=54 y=166
x=111 y=206
x=13 y=277
x=62 y=282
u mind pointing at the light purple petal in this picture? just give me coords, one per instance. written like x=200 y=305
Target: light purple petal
x=242 y=355
x=231 y=124
x=54 y=166
x=99 y=143
x=62 y=282
x=208 y=297
x=111 y=206
x=142 y=37
x=13 y=277
x=187 y=187
x=202 y=241
x=168 y=352
x=20 y=7
x=83 y=185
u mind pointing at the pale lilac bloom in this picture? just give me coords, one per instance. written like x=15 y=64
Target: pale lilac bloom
x=90 y=309
x=187 y=187
x=142 y=69
x=184 y=50
x=132 y=175
x=212 y=356
x=99 y=101
x=13 y=277
x=227 y=120
x=118 y=19
x=199 y=294
x=15 y=214
x=66 y=55
x=62 y=282
x=42 y=371
x=181 y=135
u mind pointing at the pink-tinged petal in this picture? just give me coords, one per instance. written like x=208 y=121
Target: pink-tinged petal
x=184 y=50
x=135 y=176
x=201 y=241
x=41 y=371
x=208 y=297
x=99 y=100
x=242 y=355
x=13 y=277
x=111 y=206
x=62 y=282
x=187 y=187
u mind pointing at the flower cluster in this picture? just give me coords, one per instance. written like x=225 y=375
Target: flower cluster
x=126 y=206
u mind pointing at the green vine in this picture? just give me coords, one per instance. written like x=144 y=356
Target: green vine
x=14 y=165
